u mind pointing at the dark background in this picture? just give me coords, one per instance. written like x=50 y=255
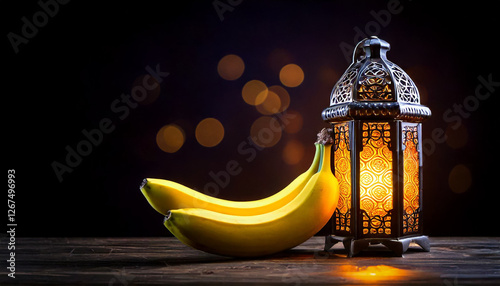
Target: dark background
x=64 y=79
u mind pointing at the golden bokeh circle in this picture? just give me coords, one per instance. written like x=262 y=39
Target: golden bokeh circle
x=170 y=138
x=270 y=105
x=209 y=132
x=151 y=87
x=254 y=92
x=294 y=122
x=458 y=137
x=460 y=179
x=291 y=75
x=283 y=95
x=231 y=67
x=293 y=152
x=265 y=131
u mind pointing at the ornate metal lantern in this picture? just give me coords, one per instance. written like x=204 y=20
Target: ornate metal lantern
x=376 y=116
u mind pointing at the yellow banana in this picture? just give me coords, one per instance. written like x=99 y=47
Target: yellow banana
x=264 y=234
x=164 y=195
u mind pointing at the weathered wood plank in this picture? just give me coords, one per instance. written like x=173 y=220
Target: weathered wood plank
x=149 y=261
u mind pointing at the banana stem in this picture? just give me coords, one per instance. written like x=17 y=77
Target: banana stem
x=321 y=151
x=316 y=164
x=326 y=141
x=325 y=137
x=326 y=163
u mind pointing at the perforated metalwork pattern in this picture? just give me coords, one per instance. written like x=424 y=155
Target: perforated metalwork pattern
x=374 y=83
x=406 y=88
x=342 y=167
x=343 y=90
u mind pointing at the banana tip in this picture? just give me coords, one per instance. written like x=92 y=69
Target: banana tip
x=144 y=182
x=167 y=217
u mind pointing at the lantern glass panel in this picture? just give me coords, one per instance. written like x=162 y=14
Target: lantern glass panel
x=375 y=178
x=411 y=189
x=342 y=167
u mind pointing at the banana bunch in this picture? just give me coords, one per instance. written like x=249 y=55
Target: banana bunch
x=251 y=228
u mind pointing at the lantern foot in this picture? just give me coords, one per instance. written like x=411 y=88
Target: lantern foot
x=398 y=245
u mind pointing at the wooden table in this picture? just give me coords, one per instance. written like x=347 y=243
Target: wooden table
x=141 y=261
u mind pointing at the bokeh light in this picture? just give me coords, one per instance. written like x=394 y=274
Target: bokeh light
x=460 y=179
x=457 y=138
x=291 y=75
x=170 y=138
x=254 y=92
x=294 y=123
x=146 y=88
x=265 y=131
x=270 y=105
x=231 y=67
x=293 y=152
x=283 y=95
x=209 y=132
x=278 y=58
x=328 y=76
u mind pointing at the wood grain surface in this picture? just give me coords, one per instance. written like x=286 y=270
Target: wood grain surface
x=166 y=261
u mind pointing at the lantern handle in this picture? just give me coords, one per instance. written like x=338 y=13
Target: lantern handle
x=359 y=52
x=372 y=47
x=377 y=48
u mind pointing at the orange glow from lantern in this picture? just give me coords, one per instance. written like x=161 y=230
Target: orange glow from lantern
x=375 y=178
x=375 y=273
x=342 y=165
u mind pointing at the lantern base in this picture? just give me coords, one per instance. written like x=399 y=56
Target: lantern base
x=397 y=245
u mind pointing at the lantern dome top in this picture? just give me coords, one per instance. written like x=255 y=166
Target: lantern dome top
x=374 y=87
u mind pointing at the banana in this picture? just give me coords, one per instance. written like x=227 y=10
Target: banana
x=164 y=195
x=263 y=234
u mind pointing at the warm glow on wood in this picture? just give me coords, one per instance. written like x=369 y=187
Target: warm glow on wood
x=376 y=273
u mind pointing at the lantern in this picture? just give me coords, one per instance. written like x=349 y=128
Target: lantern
x=376 y=116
